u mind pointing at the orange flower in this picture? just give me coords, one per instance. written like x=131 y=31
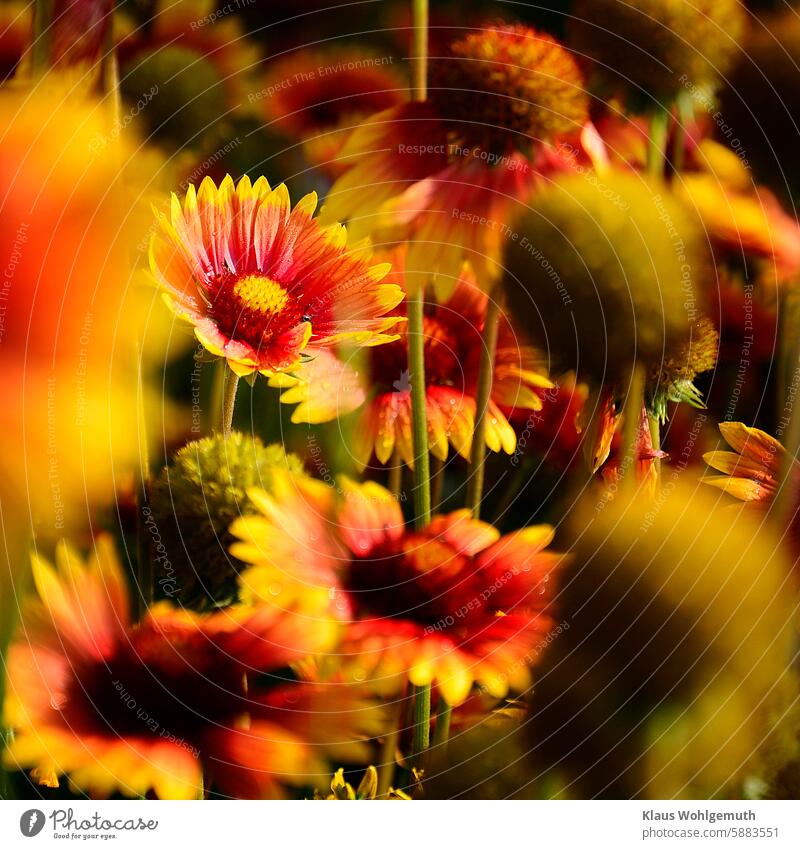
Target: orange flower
x=452 y=605
x=448 y=171
x=645 y=457
x=167 y=705
x=749 y=223
x=751 y=472
x=329 y=385
x=264 y=284
x=319 y=96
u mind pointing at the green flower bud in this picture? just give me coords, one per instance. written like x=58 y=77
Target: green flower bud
x=192 y=505
x=602 y=275
x=656 y=47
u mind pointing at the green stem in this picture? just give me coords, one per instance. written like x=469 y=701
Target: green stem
x=659 y=124
x=441 y=731
x=684 y=112
x=631 y=414
x=388 y=759
x=42 y=34
x=422 y=724
x=144 y=560
x=416 y=368
x=108 y=81
x=229 y=387
x=419 y=50
x=482 y=398
x=788 y=346
x=211 y=415
x=655 y=438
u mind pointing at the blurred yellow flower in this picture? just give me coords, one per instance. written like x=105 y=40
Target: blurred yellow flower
x=67 y=339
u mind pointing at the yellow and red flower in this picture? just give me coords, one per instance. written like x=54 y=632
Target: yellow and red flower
x=319 y=96
x=330 y=386
x=746 y=225
x=752 y=471
x=645 y=456
x=451 y=605
x=448 y=171
x=168 y=705
x=265 y=284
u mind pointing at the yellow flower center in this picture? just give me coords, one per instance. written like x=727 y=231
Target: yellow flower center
x=432 y=554
x=261 y=294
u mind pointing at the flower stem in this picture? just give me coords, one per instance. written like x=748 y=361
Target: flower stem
x=230 y=383
x=416 y=368
x=441 y=731
x=144 y=561
x=422 y=723
x=416 y=340
x=419 y=50
x=631 y=416
x=394 y=480
x=42 y=35
x=684 y=112
x=388 y=758
x=655 y=439
x=483 y=395
x=659 y=124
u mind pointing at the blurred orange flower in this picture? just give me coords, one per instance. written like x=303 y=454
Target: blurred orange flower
x=751 y=472
x=166 y=705
x=67 y=337
x=451 y=605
